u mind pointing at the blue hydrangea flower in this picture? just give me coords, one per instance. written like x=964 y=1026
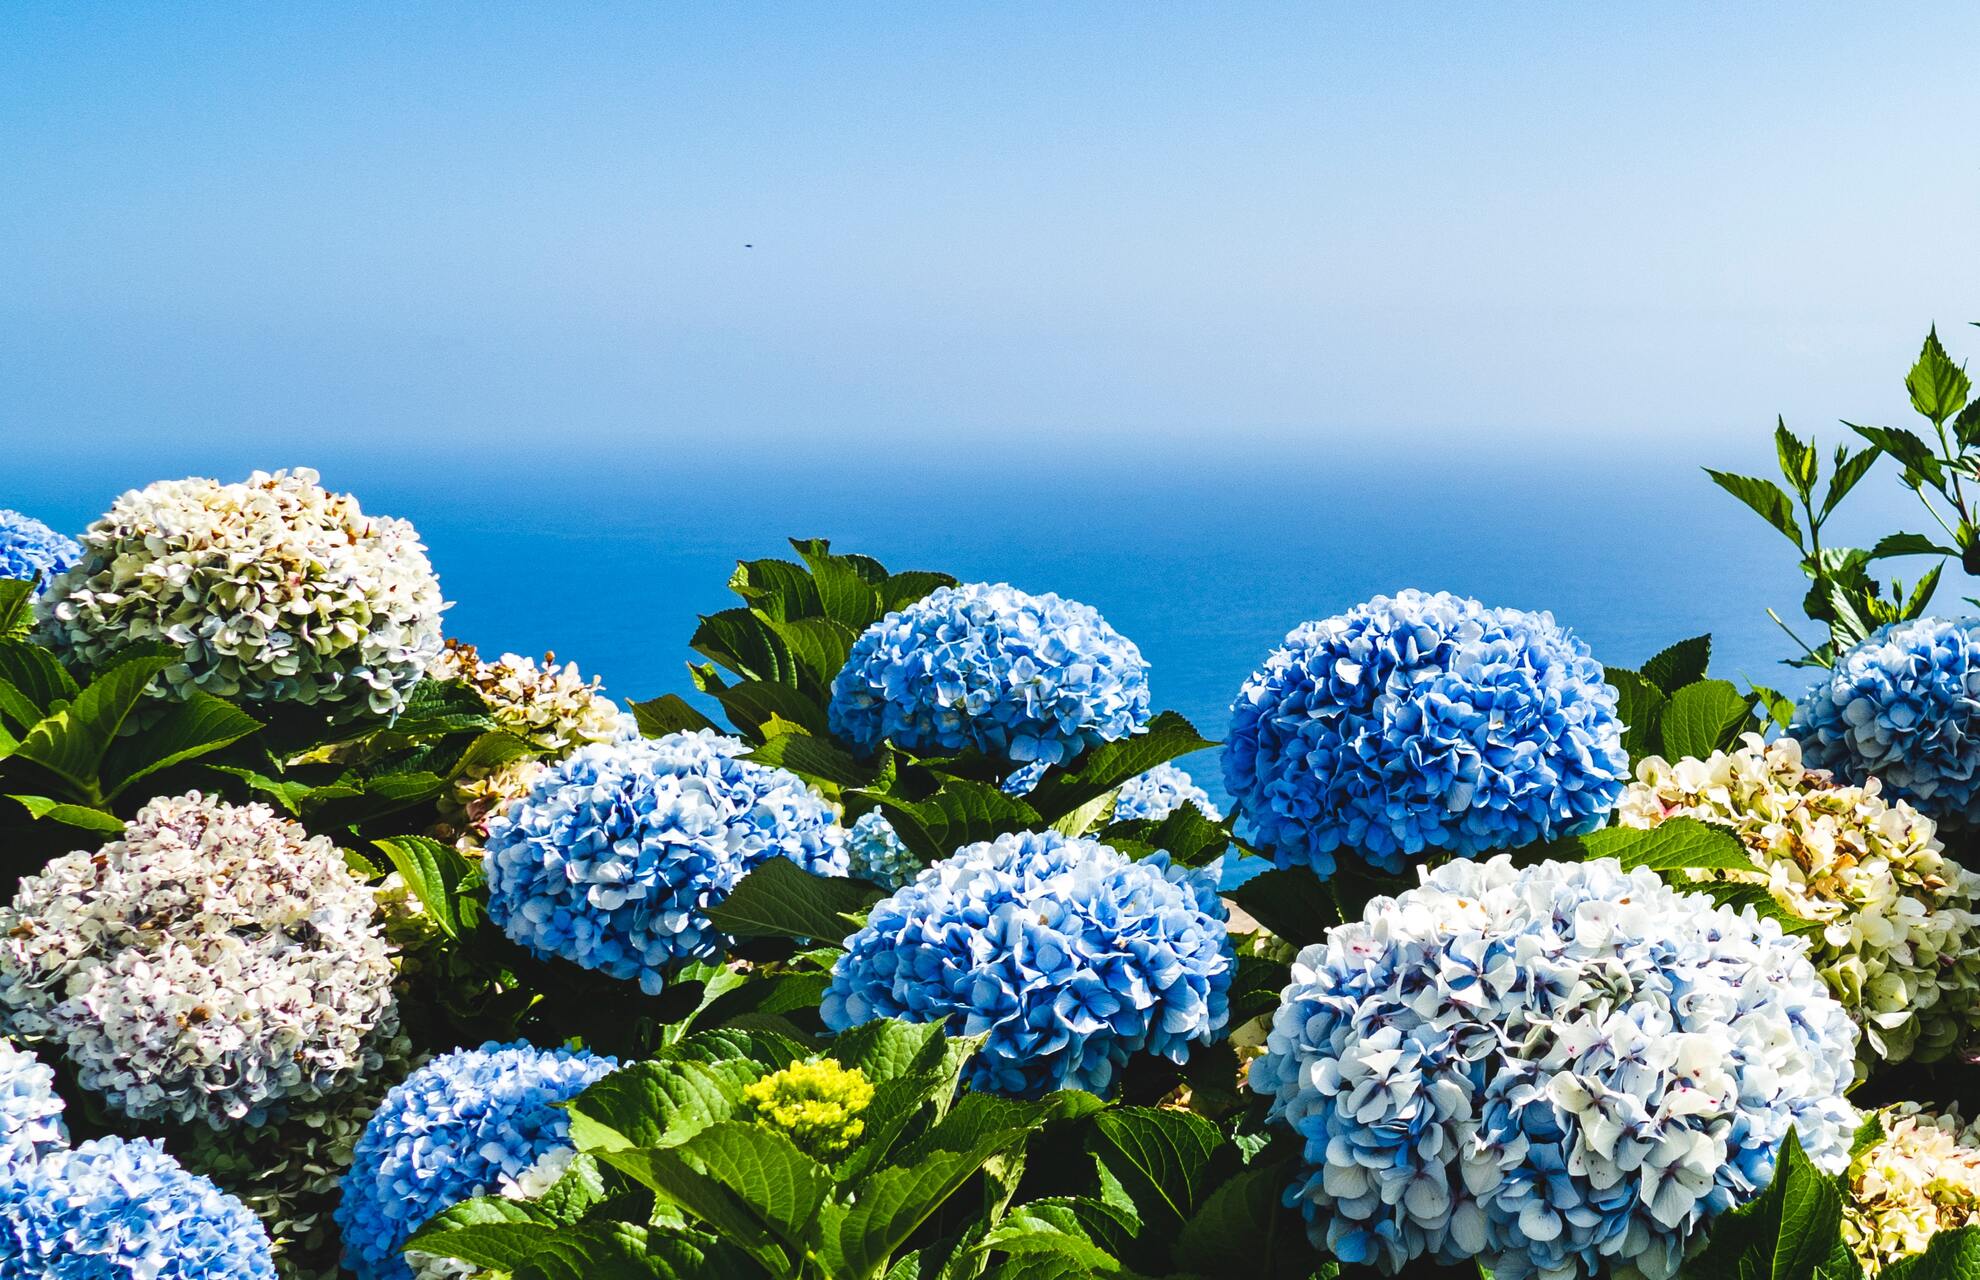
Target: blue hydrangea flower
x=117 y=1210
x=1903 y=707
x=29 y=547
x=1555 y=1070
x=989 y=668
x=615 y=855
x=30 y=1112
x=1158 y=793
x=472 y=1122
x=1021 y=782
x=1070 y=955
x=1423 y=722
x=874 y=852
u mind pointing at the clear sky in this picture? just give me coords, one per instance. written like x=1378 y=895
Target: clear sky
x=511 y=227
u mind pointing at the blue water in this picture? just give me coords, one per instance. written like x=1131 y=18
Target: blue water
x=1206 y=561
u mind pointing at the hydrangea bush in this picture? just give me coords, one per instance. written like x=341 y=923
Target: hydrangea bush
x=212 y=965
x=468 y=1123
x=1900 y=939
x=1068 y=955
x=986 y=667
x=1903 y=706
x=30 y=549
x=1420 y=724
x=277 y=589
x=613 y=858
x=1555 y=1070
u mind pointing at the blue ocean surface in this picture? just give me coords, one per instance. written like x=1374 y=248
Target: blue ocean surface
x=1204 y=561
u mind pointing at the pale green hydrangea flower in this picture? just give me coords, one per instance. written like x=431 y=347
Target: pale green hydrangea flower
x=816 y=1104
x=1922 y=1178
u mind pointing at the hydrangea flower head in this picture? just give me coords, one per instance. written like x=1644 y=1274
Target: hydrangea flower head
x=1900 y=939
x=29 y=548
x=1423 y=722
x=987 y=667
x=1158 y=793
x=1904 y=707
x=30 y=1112
x=117 y=1210
x=613 y=858
x=278 y=590
x=1555 y=1070
x=469 y=1123
x=1071 y=956
x=212 y=965
x=874 y=852
x=1921 y=1178
x=815 y=1104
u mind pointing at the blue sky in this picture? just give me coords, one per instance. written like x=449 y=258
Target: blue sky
x=298 y=230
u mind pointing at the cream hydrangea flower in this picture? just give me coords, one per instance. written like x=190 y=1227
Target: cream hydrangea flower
x=1922 y=1178
x=1900 y=940
x=277 y=589
x=214 y=964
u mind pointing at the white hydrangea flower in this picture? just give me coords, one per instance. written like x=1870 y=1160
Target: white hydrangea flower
x=212 y=965
x=1922 y=1178
x=1900 y=942
x=278 y=590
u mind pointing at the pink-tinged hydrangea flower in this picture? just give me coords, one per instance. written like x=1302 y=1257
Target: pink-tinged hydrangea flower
x=1555 y=1070
x=212 y=965
x=615 y=855
x=987 y=667
x=1071 y=956
x=277 y=590
x=1899 y=943
x=470 y=1123
x=1903 y=707
x=118 y=1210
x=1422 y=723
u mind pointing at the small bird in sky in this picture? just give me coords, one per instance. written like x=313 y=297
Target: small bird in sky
x=749 y=246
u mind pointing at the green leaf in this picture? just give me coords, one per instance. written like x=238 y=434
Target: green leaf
x=1107 y=766
x=1291 y=902
x=71 y=742
x=292 y=795
x=777 y=1182
x=199 y=724
x=1055 y=1228
x=488 y=1231
x=1190 y=838
x=1682 y=664
x=1778 y=706
x=751 y=705
x=669 y=713
x=900 y=590
x=16 y=596
x=962 y=812
x=1241 y=1218
x=1938 y=387
x=1257 y=987
x=436 y=708
x=673 y=1177
x=1765 y=497
x=658 y=1101
x=1640 y=705
x=1675 y=844
x=1966 y=425
x=848 y=596
x=744 y=644
x=1791 y=1231
x=888 y=1048
x=436 y=874
x=1741 y=896
x=1849 y=469
x=1703 y=717
x=34 y=672
x=74 y=815
x=1161 y=1158
x=1921 y=465
x=779 y=899
x=814 y=758
x=821 y=644
x=1949 y=1255
x=1908 y=544
x=858 y=1239
x=777 y=588
x=1797 y=458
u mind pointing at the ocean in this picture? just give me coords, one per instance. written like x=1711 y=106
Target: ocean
x=1205 y=561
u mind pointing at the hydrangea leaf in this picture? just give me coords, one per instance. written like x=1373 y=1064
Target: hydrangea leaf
x=778 y=1183
x=438 y=876
x=1243 y=1217
x=858 y=1239
x=814 y=758
x=649 y=1104
x=1051 y=1227
x=74 y=815
x=292 y=795
x=1291 y=902
x=960 y=813
x=1791 y=1231
x=34 y=672
x=1764 y=496
x=777 y=588
x=739 y=641
x=1678 y=844
x=886 y=1048
x=779 y=899
x=902 y=589
x=1256 y=988
x=1162 y=1159
x=435 y=708
x=1742 y=896
x=669 y=1175
x=1938 y=387
x=1703 y=717
x=605 y=1250
x=199 y=724
x=15 y=593
x=1679 y=665
x=752 y=704
x=71 y=742
x=1189 y=837
x=1108 y=765
x=1640 y=706
x=669 y=713
x=488 y=1231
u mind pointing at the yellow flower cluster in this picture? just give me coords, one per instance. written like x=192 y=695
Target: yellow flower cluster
x=816 y=1104
x=1900 y=941
x=1922 y=1178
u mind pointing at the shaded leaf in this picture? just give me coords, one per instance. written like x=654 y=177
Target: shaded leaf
x=1681 y=664
x=780 y=899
